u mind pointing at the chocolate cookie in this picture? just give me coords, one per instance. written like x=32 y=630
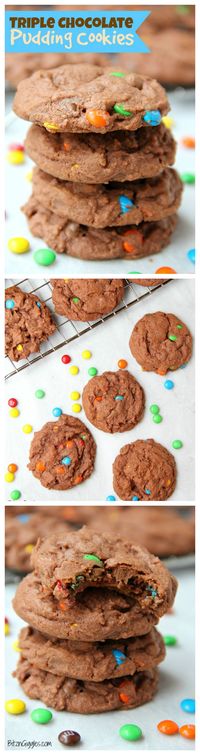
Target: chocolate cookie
x=171 y=16
x=103 y=205
x=64 y=693
x=96 y=613
x=28 y=322
x=169 y=69
x=114 y=401
x=144 y=471
x=160 y=342
x=94 y=243
x=89 y=99
x=24 y=64
x=93 y=158
x=161 y=529
x=22 y=533
x=62 y=453
x=92 y=661
x=86 y=299
x=70 y=564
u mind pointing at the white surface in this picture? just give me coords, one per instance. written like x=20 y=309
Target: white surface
x=175 y=254
x=101 y=731
x=108 y=343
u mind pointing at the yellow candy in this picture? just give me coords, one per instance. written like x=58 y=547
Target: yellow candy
x=168 y=121
x=86 y=354
x=9 y=477
x=6 y=629
x=29 y=175
x=74 y=370
x=15 y=646
x=14 y=412
x=50 y=126
x=19 y=347
x=74 y=395
x=18 y=245
x=15 y=157
x=29 y=548
x=15 y=707
x=27 y=429
x=76 y=408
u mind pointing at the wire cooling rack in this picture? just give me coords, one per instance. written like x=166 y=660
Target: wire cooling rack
x=68 y=330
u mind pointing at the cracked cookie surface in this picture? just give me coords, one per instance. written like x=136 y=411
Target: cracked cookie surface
x=160 y=342
x=114 y=401
x=145 y=471
x=62 y=453
x=28 y=322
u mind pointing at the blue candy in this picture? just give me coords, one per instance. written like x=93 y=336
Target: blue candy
x=38 y=304
x=169 y=384
x=135 y=498
x=125 y=203
x=119 y=398
x=147 y=491
x=66 y=460
x=57 y=411
x=191 y=255
x=188 y=705
x=119 y=657
x=10 y=304
x=110 y=498
x=152 y=591
x=152 y=117
x=23 y=518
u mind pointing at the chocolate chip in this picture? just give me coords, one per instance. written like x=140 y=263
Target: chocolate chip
x=69 y=737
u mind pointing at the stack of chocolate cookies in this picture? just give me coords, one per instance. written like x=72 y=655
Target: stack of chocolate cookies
x=102 y=188
x=92 y=603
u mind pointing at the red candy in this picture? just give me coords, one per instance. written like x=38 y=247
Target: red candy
x=15 y=147
x=65 y=359
x=12 y=402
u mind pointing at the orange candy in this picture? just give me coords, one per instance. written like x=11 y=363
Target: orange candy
x=60 y=470
x=12 y=467
x=40 y=466
x=78 y=480
x=165 y=270
x=131 y=247
x=69 y=444
x=124 y=698
x=62 y=606
x=187 y=731
x=168 y=727
x=160 y=372
x=97 y=118
x=188 y=141
x=66 y=146
x=122 y=363
x=98 y=398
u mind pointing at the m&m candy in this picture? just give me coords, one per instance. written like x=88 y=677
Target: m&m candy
x=187 y=731
x=44 y=257
x=15 y=707
x=131 y=732
x=168 y=727
x=18 y=245
x=41 y=716
x=188 y=705
x=152 y=117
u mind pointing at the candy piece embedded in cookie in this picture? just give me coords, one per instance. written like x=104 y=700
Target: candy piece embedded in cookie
x=86 y=299
x=28 y=322
x=68 y=565
x=160 y=342
x=110 y=204
x=64 y=693
x=144 y=471
x=114 y=401
x=62 y=453
x=92 y=661
x=89 y=243
x=96 y=158
x=77 y=98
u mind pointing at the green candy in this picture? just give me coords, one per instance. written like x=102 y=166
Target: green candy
x=172 y=338
x=177 y=444
x=182 y=9
x=41 y=716
x=121 y=110
x=92 y=557
x=154 y=409
x=157 y=418
x=169 y=639
x=131 y=732
x=92 y=371
x=134 y=272
x=15 y=495
x=44 y=257
x=39 y=393
x=75 y=299
x=188 y=178
x=179 y=327
x=116 y=73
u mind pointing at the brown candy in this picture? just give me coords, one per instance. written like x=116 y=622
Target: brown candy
x=69 y=737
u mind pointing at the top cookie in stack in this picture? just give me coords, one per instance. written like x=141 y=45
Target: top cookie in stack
x=91 y=126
